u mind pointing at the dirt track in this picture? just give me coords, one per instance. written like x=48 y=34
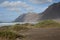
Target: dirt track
x=43 y=34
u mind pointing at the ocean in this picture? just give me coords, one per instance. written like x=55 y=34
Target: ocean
x=6 y=24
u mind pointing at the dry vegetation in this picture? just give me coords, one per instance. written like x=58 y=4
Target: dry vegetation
x=47 y=24
x=13 y=32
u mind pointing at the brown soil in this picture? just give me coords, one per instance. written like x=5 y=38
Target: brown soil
x=43 y=34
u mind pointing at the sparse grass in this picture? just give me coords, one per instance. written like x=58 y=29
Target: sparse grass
x=5 y=28
x=19 y=27
x=29 y=25
x=16 y=27
x=47 y=23
x=12 y=32
x=9 y=35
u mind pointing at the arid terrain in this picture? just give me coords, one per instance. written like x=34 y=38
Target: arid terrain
x=29 y=20
x=45 y=30
x=43 y=34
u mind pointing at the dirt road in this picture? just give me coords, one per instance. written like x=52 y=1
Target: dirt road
x=43 y=34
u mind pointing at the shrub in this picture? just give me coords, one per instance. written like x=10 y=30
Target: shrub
x=5 y=28
x=19 y=27
x=10 y=35
x=48 y=23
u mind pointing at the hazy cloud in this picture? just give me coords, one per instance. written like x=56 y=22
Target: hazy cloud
x=16 y=5
x=2 y=1
x=40 y=1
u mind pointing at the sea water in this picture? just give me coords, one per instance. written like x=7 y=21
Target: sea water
x=6 y=24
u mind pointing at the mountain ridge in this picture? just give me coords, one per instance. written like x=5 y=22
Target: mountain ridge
x=28 y=17
x=51 y=13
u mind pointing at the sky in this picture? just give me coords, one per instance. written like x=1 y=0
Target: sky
x=11 y=9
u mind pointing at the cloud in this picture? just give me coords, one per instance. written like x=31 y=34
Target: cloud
x=2 y=1
x=40 y=1
x=16 y=5
x=14 y=9
x=43 y=9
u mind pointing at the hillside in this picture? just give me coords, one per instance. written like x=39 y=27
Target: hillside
x=28 y=17
x=52 y=12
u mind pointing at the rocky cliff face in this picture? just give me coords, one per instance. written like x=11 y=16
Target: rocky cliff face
x=28 y=17
x=20 y=18
x=52 y=12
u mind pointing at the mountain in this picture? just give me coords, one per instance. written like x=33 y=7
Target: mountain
x=28 y=17
x=52 y=12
